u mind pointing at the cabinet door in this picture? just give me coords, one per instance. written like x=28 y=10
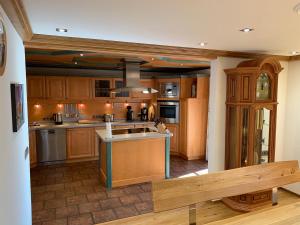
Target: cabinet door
x=119 y=83
x=78 y=88
x=147 y=84
x=55 y=87
x=101 y=88
x=80 y=143
x=173 y=128
x=36 y=86
x=32 y=148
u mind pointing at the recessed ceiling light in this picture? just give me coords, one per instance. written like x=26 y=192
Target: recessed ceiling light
x=62 y=30
x=246 y=30
x=202 y=44
x=81 y=54
x=295 y=53
x=297 y=8
x=75 y=63
x=181 y=64
x=152 y=59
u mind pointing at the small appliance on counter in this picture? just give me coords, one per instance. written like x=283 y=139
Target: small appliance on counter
x=58 y=118
x=129 y=114
x=144 y=114
x=108 y=117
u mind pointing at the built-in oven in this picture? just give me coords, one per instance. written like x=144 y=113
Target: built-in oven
x=169 y=90
x=168 y=111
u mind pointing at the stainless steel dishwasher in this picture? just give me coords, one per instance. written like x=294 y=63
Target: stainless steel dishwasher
x=51 y=145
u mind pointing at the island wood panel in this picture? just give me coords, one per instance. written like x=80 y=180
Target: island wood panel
x=284 y=215
x=32 y=148
x=135 y=161
x=36 y=86
x=80 y=143
x=78 y=88
x=55 y=88
x=176 y=193
x=172 y=217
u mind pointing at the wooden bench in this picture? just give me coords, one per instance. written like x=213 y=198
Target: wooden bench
x=175 y=199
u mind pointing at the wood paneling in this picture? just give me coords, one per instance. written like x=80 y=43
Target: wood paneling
x=80 y=143
x=78 y=88
x=186 y=87
x=17 y=15
x=176 y=193
x=132 y=49
x=32 y=148
x=136 y=161
x=149 y=83
x=36 y=86
x=55 y=88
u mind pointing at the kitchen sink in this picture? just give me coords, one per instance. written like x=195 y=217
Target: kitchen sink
x=132 y=131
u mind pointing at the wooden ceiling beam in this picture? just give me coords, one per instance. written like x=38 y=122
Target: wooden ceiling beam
x=18 y=17
x=133 y=49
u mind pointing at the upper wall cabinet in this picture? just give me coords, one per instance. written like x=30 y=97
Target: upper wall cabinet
x=101 y=88
x=36 y=86
x=55 y=88
x=119 y=83
x=147 y=83
x=78 y=88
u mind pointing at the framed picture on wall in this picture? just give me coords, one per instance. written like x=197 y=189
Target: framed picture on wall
x=17 y=105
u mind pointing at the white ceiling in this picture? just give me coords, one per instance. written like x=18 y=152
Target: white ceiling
x=175 y=22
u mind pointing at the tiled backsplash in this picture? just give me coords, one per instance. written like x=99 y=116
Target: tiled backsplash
x=44 y=109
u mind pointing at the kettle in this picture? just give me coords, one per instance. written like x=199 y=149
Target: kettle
x=58 y=118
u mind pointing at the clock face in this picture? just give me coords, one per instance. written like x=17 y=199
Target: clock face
x=2 y=47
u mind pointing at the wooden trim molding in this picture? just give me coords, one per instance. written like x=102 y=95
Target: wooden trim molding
x=132 y=49
x=18 y=17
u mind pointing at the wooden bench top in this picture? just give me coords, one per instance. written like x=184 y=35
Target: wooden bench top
x=284 y=215
x=176 y=193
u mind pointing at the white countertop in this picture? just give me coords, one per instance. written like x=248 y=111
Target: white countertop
x=67 y=125
x=134 y=136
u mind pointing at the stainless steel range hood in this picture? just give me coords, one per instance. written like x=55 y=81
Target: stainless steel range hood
x=131 y=76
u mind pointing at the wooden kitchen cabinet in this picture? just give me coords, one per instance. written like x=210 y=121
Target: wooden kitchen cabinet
x=119 y=83
x=101 y=88
x=174 y=129
x=36 y=86
x=32 y=148
x=78 y=88
x=80 y=143
x=55 y=88
x=193 y=128
x=147 y=83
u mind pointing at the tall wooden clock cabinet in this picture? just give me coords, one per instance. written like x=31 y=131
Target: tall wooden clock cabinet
x=251 y=108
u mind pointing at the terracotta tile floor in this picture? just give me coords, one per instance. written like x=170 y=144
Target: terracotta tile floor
x=70 y=194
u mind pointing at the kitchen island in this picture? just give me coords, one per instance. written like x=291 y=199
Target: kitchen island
x=133 y=156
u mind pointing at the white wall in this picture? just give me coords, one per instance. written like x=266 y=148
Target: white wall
x=217 y=112
x=15 y=198
x=291 y=143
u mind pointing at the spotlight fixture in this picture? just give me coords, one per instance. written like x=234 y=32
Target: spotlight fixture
x=75 y=63
x=202 y=44
x=81 y=55
x=247 y=30
x=62 y=30
x=295 y=53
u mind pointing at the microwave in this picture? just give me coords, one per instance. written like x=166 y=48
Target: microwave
x=168 y=111
x=169 y=90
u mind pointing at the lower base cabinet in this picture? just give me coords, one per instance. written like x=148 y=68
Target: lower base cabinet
x=32 y=148
x=80 y=143
x=174 y=129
